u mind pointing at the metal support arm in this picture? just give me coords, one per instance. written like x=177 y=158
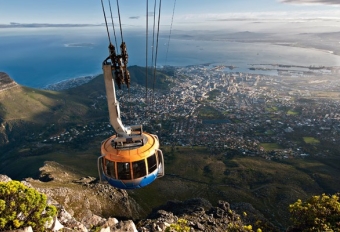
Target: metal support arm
x=113 y=104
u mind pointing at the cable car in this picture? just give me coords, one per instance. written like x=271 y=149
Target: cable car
x=130 y=159
x=128 y=168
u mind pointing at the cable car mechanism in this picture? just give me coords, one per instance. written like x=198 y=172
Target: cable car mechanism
x=131 y=158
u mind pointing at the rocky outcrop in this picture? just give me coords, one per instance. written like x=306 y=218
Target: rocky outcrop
x=83 y=197
x=198 y=215
x=91 y=222
x=85 y=205
x=6 y=82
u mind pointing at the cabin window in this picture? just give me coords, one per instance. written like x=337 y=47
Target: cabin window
x=159 y=156
x=139 y=169
x=152 y=163
x=110 y=169
x=123 y=171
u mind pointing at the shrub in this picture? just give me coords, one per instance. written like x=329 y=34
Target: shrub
x=319 y=213
x=181 y=226
x=21 y=206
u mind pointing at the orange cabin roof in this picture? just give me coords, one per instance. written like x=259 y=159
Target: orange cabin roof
x=130 y=155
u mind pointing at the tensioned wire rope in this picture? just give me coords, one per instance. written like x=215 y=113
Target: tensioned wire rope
x=156 y=53
x=157 y=43
x=114 y=31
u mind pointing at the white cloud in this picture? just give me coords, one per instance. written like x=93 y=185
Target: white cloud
x=319 y=2
x=268 y=15
x=264 y=21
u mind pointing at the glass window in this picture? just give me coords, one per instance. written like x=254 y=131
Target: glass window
x=139 y=169
x=159 y=157
x=152 y=163
x=110 y=169
x=123 y=171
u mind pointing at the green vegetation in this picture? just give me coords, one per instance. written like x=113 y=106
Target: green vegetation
x=21 y=206
x=235 y=225
x=225 y=175
x=208 y=112
x=269 y=132
x=311 y=140
x=319 y=213
x=138 y=74
x=41 y=106
x=28 y=110
x=272 y=109
x=215 y=175
x=180 y=226
x=291 y=112
x=213 y=94
x=24 y=165
x=270 y=146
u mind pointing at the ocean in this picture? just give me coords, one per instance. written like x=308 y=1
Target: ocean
x=38 y=57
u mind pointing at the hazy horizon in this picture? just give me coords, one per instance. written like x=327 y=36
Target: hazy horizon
x=69 y=39
x=188 y=14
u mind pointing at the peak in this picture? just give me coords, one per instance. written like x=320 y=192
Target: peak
x=6 y=82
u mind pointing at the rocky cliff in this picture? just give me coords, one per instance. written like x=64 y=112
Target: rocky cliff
x=6 y=82
x=86 y=205
x=83 y=196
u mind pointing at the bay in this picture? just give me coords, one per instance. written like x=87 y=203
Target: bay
x=38 y=57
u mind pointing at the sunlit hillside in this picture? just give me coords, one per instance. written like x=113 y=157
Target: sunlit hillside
x=40 y=106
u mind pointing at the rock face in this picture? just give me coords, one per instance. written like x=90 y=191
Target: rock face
x=83 y=197
x=6 y=82
x=65 y=219
x=198 y=215
x=85 y=205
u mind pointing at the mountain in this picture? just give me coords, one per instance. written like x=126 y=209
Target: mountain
x=85 y=205
x=24 y=109
x=29 y=116
x=159 y=78
x=6 y=82
x=96 y=87
x=208 y=172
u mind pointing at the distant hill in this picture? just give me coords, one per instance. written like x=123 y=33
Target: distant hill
x=23 y=109
x=96 y=86
x=138 y=74
x=39 y=106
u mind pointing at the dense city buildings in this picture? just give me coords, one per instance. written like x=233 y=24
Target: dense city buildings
x=254 y=114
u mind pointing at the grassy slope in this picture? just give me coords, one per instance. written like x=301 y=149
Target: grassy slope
x=270 y=186
x=22 y=166
x=40 y=106
x=138 y=74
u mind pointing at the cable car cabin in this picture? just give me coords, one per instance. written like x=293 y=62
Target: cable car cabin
x=132 y=165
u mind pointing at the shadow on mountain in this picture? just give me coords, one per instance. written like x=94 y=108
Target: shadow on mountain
x=31 y=116
x=28 y=117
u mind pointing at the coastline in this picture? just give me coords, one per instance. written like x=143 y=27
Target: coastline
x=69 y=83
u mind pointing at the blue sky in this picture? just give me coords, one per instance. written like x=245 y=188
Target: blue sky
x=198 y=12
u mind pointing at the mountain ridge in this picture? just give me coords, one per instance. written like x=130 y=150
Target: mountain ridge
x=6 y=82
